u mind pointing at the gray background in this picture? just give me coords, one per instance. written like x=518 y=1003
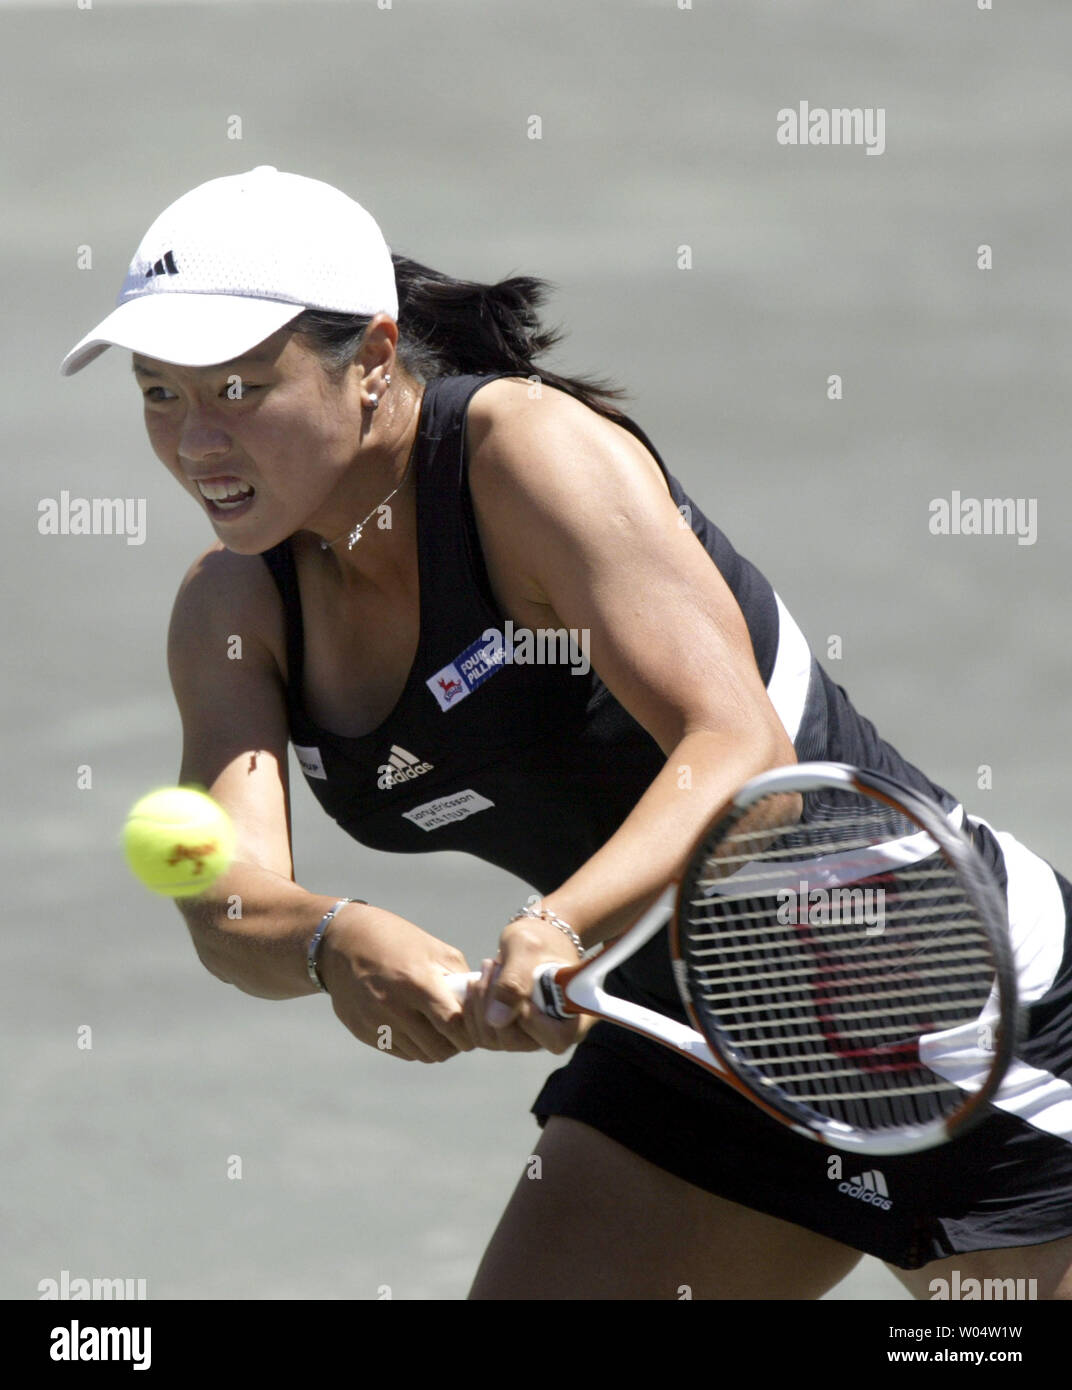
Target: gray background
x=658 y=130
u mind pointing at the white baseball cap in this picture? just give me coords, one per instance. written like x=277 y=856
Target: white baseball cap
x=232 y=261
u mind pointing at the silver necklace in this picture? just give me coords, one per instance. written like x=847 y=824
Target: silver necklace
x=355 y=535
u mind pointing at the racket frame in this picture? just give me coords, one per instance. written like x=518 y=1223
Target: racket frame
x=978 y=886
x=568 y=990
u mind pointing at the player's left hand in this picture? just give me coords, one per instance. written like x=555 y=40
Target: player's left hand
x=509 y=1037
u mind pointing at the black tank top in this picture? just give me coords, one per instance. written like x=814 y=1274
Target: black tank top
x=531 y=766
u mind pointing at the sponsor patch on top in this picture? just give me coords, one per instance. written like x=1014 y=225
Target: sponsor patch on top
x=310 y=761
x=469 y=669
x=444 y=810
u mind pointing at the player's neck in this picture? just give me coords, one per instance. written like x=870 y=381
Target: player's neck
x=371 y=532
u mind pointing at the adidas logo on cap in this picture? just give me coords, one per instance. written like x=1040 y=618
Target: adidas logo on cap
x=164 y=266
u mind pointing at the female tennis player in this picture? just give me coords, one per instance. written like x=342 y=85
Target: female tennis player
x=393 y=481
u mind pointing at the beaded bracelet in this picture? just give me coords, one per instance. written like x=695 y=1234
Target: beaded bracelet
x=542 y=914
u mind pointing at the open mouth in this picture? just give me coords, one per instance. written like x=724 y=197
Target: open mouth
x=226 y=496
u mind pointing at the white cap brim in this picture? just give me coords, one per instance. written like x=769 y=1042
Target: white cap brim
x=189 y=330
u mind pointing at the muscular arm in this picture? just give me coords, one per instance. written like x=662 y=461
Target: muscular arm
x=580 y=531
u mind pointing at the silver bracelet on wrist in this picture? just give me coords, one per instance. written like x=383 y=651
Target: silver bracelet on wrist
x=313 y=953
x=542 y=914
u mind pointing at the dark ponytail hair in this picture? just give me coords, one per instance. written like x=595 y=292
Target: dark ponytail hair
x=450 y=327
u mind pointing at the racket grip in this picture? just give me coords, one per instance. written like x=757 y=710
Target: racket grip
x=459 y=984
x=542 y=992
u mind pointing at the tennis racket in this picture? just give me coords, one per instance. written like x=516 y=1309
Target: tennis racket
x=845 y=963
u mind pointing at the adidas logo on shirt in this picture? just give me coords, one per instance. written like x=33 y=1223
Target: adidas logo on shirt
x=400 y=767
x=868 y=1187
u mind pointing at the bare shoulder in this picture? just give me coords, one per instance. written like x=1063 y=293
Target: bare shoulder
x=540 y=440
x=224 y=594
x=515 y=408
x=517 y=400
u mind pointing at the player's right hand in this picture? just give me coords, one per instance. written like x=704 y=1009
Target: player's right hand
x=385 y=977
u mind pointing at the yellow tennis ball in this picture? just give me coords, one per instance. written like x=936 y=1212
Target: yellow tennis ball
x=178 y=841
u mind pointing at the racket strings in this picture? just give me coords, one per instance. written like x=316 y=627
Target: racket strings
x=857 y=1016
x=929 y=904
x=819 y=954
